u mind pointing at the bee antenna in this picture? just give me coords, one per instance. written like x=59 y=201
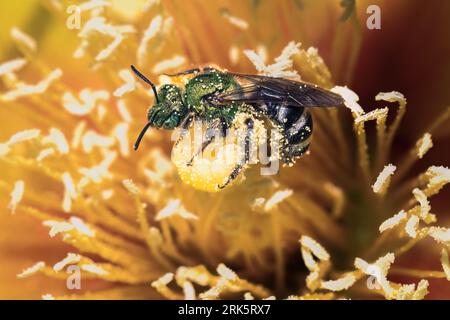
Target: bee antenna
x=145 y=79
x=141 y=135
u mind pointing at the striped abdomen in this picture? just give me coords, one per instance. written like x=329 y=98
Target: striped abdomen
x=296 y=125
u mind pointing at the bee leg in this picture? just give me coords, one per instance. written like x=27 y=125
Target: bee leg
x=209 y=137
x=238 y=168
x=184 y=125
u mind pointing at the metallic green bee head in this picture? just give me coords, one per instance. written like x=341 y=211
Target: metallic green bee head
x=169 y=110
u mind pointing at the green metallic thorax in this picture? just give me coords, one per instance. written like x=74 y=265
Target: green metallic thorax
x=207 y=83
x=174 y=104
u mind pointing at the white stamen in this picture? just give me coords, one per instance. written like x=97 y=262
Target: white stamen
x=315 y=248
x=77 y=134
x=411 y=226
x=27 y=89
x=99 y=172
x=92 y=139
x=340 y=284
x=81 y=226
x=16 y=195
x=123 y=111
x=168 y=64
x=121 y=134
x=233 y=55
x=350 y=99
x=57 y=138
x=70 y=259
x=382 y=183
x=277 y=198
x=69 y=192
x=282 y=65
x=130 y=186
x=393 y=221
x=236 y=21
x=24 y=39
x=31 y=270
x=89 y=100
x=12 y=66
x=45 y=153
x=107 y=194
x=423 y=145
x=93 y=268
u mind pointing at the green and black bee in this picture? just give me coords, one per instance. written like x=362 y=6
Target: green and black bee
x=217 y=97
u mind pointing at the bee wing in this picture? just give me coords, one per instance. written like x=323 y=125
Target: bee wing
x=263 y=89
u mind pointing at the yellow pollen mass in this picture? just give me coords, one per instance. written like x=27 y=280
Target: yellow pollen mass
x=211 y=169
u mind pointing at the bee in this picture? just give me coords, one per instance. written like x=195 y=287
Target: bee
x=217 y=97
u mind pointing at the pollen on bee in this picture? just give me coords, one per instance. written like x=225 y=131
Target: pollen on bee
x=210 y=169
